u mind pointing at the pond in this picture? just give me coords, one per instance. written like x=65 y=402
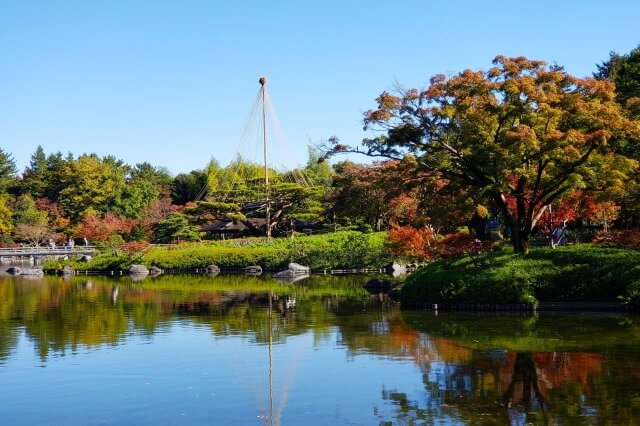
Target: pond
x=249 y=350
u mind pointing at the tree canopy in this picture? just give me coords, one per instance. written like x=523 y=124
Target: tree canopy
x=521 y=134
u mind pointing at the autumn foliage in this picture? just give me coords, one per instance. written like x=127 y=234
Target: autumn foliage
x=134 y=247
x=629 y=239
x=412 y=243
x=455 y=245
x=421 y=244
x=99 y=229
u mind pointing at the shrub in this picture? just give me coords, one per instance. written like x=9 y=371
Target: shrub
x=456 y=245
x=411 y=243
x=629 y=239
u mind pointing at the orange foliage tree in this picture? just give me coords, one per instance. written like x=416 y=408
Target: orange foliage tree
x=99 y=229
x=521 y=130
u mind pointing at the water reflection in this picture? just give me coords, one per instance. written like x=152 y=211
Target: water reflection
x=490 y=369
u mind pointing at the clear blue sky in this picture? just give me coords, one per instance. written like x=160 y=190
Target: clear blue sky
x=173 y=82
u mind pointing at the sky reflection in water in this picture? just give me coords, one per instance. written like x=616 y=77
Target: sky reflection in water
x=203 y=350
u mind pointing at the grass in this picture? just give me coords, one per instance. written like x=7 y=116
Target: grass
x=580 y=273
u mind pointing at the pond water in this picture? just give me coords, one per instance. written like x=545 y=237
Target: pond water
x=247 y=350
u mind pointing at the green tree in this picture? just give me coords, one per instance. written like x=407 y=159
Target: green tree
x=187 y=186
x=26 y=211
x=31 y=224
x=6 y=215
x=624 y=71
x=91 y=185
x=57 y=170
x=35 y=178
x=520 y=134
x=174 y=227
x=7 y=170
x=160 y=177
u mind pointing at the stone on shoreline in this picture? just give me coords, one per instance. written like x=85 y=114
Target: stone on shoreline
x=293 y=270
x=213 y=269
x=138 y=270
x=35 y=272
x=154 y=270
x=66 y=271
x=395 y=269
x=14 y=270
x=254 y=270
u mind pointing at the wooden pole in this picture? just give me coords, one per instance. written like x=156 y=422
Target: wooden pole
x=263 y=83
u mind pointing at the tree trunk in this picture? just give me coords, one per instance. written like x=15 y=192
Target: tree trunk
x=519 y=226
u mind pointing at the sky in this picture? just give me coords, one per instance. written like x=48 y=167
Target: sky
x=173 y=82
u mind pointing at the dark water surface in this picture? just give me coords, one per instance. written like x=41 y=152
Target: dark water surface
x=204 y=350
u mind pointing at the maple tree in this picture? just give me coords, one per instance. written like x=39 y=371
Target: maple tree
x=521 y=130
x=99 y=229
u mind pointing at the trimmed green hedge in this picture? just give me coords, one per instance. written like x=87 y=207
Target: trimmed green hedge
x=195 y=257
x=340 y=250
x=581 y=273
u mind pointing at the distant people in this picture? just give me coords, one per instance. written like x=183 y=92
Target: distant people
x=52 y=244
x=559 y=235
x=70 y=244
x=86 y=242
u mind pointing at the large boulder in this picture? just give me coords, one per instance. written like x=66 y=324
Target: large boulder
x=293 y=270
x=253 y=270
x=14 y=270
x=67 y=271
x=154 y=270
x=138 y=270
x=395 y=269
x=85 y=258
x=34 y=272
x=213 y=269
x=299 y=269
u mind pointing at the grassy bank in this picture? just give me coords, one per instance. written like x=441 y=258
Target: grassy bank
x=581 y=273
x=341 y=250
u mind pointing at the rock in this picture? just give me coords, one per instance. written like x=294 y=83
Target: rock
x=14 y=270
x=254 y=270
x=300 y=269
x=138 y=270
x=377 y=285
x=34 y=272
x=154 y=270
x=67 y=271
x=293 y=270
x=395 y=269
x=85 y=258
x=213 y=269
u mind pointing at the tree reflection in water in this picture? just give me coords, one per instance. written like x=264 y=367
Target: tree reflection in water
x=475 y=368
x=466 y=380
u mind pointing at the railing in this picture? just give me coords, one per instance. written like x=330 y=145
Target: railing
x=46 y=251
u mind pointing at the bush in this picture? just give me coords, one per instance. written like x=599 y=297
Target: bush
x=628 y=239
